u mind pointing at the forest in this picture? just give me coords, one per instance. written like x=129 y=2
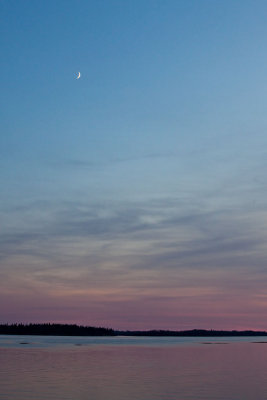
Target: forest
x=48 y=329
x=54 y=330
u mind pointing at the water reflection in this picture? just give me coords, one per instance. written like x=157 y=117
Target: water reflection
x=232 y=371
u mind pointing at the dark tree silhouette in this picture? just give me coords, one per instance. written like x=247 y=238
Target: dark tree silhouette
x=78 y=330
x=54 y=330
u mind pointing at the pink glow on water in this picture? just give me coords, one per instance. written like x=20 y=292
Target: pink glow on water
x=226 y=371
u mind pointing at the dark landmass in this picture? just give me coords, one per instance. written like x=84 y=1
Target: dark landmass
x=77 y=330
x=191 y=333
x=54 y=330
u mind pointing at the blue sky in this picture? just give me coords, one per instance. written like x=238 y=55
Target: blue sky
x=136 y=194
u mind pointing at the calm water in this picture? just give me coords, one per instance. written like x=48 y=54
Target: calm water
x=73 y=368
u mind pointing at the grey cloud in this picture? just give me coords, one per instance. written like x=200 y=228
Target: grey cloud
x=206 y=254
x=82 y=163
x=220 y=239
x=81 y=234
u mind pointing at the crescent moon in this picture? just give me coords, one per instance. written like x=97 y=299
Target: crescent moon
x=78 y=75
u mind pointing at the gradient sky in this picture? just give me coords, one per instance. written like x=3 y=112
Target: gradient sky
x=134 y=197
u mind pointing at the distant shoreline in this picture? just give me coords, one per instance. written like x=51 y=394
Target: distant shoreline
x=78 y=330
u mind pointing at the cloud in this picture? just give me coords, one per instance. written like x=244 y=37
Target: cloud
x=76 y=163
x=142 y=235
x=132 y=259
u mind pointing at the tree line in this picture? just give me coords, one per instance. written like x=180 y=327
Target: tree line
x=54 y=330
x=48 y=329
x=192 y=333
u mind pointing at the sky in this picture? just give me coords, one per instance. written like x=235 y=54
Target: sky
x=135 y=196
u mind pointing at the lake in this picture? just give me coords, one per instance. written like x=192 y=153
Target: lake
x=132 y=368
